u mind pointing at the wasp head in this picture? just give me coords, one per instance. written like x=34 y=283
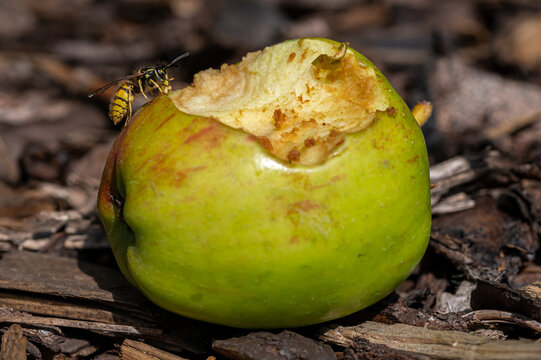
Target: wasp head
x=156 y=77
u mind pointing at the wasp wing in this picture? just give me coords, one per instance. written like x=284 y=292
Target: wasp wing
x=107 y=86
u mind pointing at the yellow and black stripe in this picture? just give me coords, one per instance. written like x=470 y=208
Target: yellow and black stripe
x=121 y=102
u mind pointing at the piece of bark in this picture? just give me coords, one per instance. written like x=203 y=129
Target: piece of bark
x=13 y=344
x=175 y=334
x=137 y=350
x=362 y=349
x=454 y=203
x=61 y=308
x=77 y=348
x=268 y=346
x=13 y=317
x=492 y=316
x=70 y=278
x=72 y=345
x=491 y=295
x=33 y=350
x=434 y=343
x=48 y=338
x=449 y=168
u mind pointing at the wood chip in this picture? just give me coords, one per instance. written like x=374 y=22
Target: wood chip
x=449 y=168
x=137 y=350
x=78 y=348
x=13 y=344
x=440 y=344
x=491 y=295
x=454 y=203
x=491 y=316
x=267 y=346
x=62 y=308
x=12 y=317
x=53 y=275
x=48 y=338
x=364 y=349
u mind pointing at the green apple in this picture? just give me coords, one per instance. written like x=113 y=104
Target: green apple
x=289 y=189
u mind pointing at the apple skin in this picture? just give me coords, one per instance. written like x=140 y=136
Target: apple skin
x=209 y=225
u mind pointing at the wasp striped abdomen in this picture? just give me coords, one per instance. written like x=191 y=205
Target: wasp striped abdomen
x=121 y=102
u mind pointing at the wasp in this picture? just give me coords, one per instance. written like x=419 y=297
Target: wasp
x=145 y=80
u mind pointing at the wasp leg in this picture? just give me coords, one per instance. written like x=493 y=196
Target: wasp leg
x=130 y=97
x=157 y=86
x=142 y=90
x=130 y=100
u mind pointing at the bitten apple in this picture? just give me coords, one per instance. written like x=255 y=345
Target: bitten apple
x=289 y=189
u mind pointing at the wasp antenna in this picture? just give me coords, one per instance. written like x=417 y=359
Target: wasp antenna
x=177 y=59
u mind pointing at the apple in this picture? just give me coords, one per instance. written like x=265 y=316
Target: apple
x=289 y=189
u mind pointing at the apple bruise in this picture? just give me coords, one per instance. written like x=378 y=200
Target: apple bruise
x=299 y=98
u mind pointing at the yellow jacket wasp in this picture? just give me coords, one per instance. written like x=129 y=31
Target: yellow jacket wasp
x=144 y=80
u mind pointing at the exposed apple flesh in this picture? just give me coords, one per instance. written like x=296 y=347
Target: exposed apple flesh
x=296 y=192
x=299 y=98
